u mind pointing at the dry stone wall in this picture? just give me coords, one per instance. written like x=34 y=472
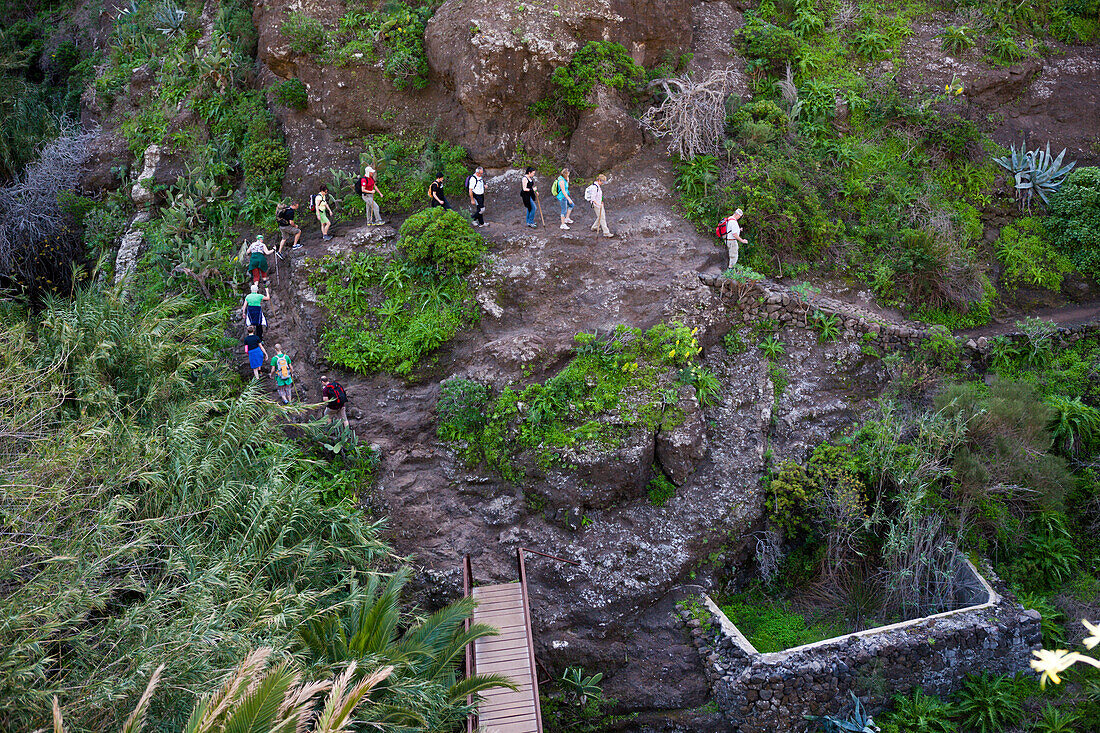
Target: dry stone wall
x=775 y=691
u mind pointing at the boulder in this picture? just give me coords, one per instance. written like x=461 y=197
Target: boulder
x=680 y=446
x=129 y=249
x=997 y=86
x=605 y=135
x=602 y=479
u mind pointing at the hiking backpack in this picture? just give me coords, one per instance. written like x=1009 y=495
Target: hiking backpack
x=361 y=186
x=721 y=229
x=555 y=189
x=471 y=181
x=590 y=192
x=341 y=395
x=283 y=366
x=313 y=202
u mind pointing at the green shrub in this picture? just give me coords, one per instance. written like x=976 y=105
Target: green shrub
x=1008 y=49
x=733 y=342
x=264 y=163
x=305 y=34
x=921 y=713
x=957 y=39
x=1027 y=257
x=598 y=62
x=1054 y=720
x=1073 y=223
x=292 y=93
x=1047 y=557
x=790 y=500
x=461 y=408
x=771 y=625
x=661 y=489
x=443 y=239
x=988 y=703
x=707 y=386
x=1052 y=620
x=768 y=47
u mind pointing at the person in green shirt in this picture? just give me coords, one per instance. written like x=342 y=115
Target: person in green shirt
x=252 y=310
x=283 y=371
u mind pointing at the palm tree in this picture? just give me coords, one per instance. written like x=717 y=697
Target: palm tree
x=424 y=657
x=264 y=700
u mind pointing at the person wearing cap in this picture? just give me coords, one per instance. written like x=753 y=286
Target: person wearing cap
x=370 y=190
x=257 y=259
x=733 y=236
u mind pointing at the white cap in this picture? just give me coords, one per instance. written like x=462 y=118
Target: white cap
x=368 y=170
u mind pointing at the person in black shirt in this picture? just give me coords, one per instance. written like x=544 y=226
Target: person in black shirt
x=528 y=192
x=285 y=217
x=435 y=192
x=254 y=347
x=336 y=407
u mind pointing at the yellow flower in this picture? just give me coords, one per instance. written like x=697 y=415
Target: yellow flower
x=672 y=353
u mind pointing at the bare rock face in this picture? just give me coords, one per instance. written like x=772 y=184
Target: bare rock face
x=1000 y=86
x=682 y=446
x=130 y=248
x=604 y=136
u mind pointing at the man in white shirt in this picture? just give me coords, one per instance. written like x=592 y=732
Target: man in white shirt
x=733 y=236
x=476 y=189
x=598 y=208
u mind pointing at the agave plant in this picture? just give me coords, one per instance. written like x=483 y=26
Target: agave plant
x=169 y=19
x=858 y=722
x=1036 y=172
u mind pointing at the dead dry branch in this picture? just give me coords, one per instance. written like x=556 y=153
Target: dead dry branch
x=692 y=116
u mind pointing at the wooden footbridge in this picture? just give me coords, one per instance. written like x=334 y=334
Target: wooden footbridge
x=506 y=607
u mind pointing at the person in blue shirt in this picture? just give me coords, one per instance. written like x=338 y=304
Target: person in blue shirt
x=561 y=190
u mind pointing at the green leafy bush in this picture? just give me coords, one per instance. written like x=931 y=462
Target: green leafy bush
x=1047 y=557
x=461 y=408
x=264 y=162
x=921 y=713
x=767 y=46
x=1027 y=257
x=790 y=500
x=292 y=93
x=661 y=489
x=443 y=239
x=598 y=62
x=1073 y=223
x=957 y=39
x=988 y=703
x=305 y=34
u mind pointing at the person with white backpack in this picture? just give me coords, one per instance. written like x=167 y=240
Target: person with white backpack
x=594 y=194
x=283 y=371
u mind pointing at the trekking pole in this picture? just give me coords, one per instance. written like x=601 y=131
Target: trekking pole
x=538 y=203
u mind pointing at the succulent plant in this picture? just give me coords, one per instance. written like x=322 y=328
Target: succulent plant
x=169 y=19
x=1036 y=172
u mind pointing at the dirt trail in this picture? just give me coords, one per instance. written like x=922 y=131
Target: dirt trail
x=1065 y=315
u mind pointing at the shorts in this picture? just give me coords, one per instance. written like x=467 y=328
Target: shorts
x=565 y=207
x=289 y=231
x=322 y=217
x=255 y=358
x=339 y=412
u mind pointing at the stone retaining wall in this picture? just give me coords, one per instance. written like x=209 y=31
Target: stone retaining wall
x=759 y=300
x=775 y=691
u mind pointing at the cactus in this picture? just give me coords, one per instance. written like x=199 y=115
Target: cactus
x=1036 y=172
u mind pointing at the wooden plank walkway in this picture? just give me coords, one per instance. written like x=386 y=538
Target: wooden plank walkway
x=510 y=654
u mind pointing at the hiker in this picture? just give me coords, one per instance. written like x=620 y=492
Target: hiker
x=435 y=193
x=323 y=211
x=257 y=259
x=475 y=186
x=560 y=189
x=257 y=355
x=368 y=189
x=732 y=235
x=529 y=193
x=283 y=371
x=337 y=406
x=285 y=217
x=252 y=311
x=594 y=193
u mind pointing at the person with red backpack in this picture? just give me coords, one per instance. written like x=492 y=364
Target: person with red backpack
x=337 y=406
x=730 y=231
x=367 y=187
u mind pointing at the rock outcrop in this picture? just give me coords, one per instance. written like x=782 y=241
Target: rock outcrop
x=682 y=444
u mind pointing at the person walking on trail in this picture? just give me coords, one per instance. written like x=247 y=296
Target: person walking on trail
x=252 y=309
x=337 y=405
x=435 y=193
x=732 y=235
x=528 y=194
x=594 y=194
x=257 y=259
x=285 y=217
x=560 y=189
x=475 y=186
x=323 y=210
x=254 y=348
x=283 y=371
x=369 y=191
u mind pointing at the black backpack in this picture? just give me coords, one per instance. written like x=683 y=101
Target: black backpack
x=359 y=185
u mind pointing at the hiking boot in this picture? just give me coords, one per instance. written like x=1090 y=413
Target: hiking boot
x=564 y=226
